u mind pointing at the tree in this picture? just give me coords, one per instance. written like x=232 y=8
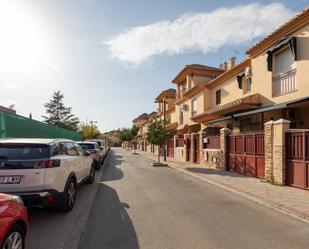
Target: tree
x=89 y=131
x=128 y=135
x=158 y=134
x=58 y=114
x=125 y=135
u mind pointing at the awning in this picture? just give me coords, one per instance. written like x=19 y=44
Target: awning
x=181 y=127
x=218 y=112
x=172 y=126
x=219 y=120
x=271 y=108
x=291 y=41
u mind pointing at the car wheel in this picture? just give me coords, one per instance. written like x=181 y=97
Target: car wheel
x=91 y=176
x=15 y=238
x=69 y=196
x=96 y=165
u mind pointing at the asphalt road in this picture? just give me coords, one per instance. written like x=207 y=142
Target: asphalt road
x=138 y=206
x=50 y=229
x=133 y=205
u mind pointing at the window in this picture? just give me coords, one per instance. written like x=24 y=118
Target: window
x=79 y=149
x=284 y=72
x=247 y=86
x=283 y=62
x=17 y=151
x=218 y=97
x=181 y=117
x=71 y=149
x=193 y=107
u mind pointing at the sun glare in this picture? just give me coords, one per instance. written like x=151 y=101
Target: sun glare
x=24 y=43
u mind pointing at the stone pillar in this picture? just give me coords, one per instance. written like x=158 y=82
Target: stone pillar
x=192 y=136
x=268 y=148
x=224 y=132
x=185 y=137
x=281 y=126
x=175 y=143
x=202 y=135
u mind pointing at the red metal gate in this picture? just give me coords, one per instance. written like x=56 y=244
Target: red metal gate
x=246 y=154
x=170 y=149
x=188 y=144
x=196 y=149
x=297 y=159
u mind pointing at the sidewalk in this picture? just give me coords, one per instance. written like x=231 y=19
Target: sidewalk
x=292 y=201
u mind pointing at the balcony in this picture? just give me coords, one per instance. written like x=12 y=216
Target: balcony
x=181 y=93
x=284 y=83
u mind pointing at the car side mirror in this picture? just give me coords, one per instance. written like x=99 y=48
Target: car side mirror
x=86 y=153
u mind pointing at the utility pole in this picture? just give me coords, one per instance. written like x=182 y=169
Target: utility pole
x=91 y=123
x=164 y=118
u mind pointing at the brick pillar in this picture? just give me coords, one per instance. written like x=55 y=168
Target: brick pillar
x=268 y=145
x=224 y=132
x=281 y=126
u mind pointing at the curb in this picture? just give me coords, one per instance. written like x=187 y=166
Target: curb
x=274 y=206
x=72 y=242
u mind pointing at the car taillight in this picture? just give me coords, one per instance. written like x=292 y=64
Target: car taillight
x=47 y=164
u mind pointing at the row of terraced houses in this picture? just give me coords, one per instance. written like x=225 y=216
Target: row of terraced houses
x=250 y=118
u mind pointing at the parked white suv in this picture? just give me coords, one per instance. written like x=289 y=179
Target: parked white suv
x=44 y=172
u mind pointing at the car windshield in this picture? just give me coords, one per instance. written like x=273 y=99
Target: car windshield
x=16 y=151
x=87 y=146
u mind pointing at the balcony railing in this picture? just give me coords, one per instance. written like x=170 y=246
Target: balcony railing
x=284 y=83
x=181 y=93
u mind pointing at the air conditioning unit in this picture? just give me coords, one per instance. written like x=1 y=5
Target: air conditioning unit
x=248 y=72
x=183 y=107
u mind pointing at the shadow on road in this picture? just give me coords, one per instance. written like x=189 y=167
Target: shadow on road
x=215 y=172
x=109 y=225
x=112 y=172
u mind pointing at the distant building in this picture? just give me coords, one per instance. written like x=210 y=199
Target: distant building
x=7 y=110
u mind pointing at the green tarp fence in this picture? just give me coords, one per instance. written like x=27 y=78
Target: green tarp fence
x=15 y=126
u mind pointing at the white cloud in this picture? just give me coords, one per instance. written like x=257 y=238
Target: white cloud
x=205 y=32
x=9 y=85
x=55 y=67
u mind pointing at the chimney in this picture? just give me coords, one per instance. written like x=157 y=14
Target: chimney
x=231 y=63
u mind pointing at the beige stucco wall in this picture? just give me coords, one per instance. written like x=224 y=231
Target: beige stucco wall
x=187 y=114
x=262 y=79
x=229 y=92
x=179 y=154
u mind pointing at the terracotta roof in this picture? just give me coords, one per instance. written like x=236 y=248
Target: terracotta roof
x=297 y=22
x=230 y=73
x=171 y=92
x=196 y=68
x=142 y=116
x=202 y=66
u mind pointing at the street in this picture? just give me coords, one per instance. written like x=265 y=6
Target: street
x=134 y=205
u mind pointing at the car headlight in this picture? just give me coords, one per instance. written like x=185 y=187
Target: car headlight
x=17 y=199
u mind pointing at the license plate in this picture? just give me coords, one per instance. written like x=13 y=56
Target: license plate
x=10 y=179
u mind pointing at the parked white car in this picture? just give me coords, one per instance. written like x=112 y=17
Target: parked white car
x=95 y=151
x=44 y=172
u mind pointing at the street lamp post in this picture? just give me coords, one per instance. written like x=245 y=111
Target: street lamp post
x=92 y=128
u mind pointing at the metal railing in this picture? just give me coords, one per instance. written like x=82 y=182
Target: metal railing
x=284 y=83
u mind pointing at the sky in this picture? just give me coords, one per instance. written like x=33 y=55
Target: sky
x=111 y=58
